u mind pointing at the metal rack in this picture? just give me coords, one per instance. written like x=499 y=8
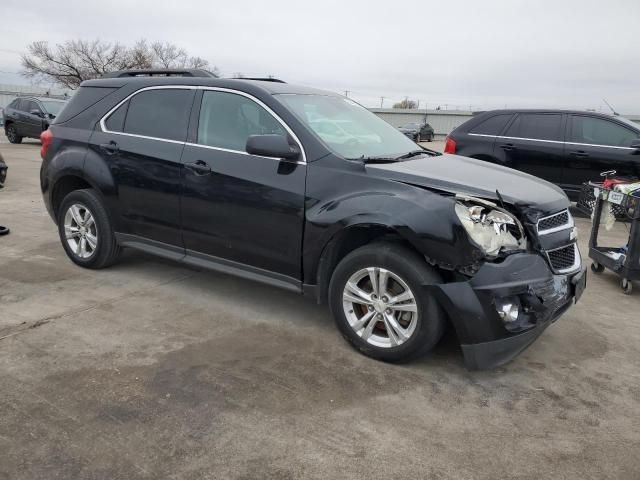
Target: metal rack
x=625 y=264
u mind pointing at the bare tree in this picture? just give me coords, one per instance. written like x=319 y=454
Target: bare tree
x=406 y=103
x=70 y=63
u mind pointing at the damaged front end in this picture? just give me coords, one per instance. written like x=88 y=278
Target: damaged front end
x=502 y=304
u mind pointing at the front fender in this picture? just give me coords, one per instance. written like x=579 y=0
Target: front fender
x=423 y=218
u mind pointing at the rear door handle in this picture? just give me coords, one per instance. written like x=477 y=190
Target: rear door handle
x=199 y=167
x=579 y=154
x=110 y=148
x=507 y=146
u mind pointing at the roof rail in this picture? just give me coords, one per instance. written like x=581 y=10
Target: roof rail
x=160 y=72
x=261 y=79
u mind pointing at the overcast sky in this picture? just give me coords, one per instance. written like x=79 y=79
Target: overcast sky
x=478 y=53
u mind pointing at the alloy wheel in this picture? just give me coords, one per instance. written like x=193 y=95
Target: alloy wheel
x=380 y=307
x=81 y=231
x=11 y=133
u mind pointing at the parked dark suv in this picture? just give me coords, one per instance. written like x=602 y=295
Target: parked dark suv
x=231 y=175
x=567 y=148
x=30 y=116
x=418 y=132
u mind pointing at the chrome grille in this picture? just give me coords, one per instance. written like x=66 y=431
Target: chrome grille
x=564 y=259
x=554 y=223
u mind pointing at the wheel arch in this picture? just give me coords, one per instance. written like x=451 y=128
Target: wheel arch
x=63 y=186
x=345 y=241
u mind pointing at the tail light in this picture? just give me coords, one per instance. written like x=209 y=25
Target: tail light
x=46 y=138
x=450 y=145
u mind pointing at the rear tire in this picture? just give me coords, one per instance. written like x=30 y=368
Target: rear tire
x=416 y=324
x=12 y=134
x=86 y=231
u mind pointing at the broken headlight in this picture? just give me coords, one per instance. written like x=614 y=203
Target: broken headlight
x=491 y=228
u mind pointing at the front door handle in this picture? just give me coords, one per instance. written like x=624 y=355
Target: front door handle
x=579 y=154
x=199 y=167
x=110 y=148
x=507 y=147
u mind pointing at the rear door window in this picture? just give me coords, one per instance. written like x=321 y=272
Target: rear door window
x=536 y=126
x=493 y=125
x=159 y=113
x=598 y=131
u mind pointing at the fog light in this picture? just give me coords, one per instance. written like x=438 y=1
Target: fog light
x=508 y=311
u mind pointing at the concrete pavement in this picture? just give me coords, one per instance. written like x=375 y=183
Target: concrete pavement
x=152 y=370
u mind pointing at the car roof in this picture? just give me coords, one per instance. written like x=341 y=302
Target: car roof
x=265 y=86
x=545 y=110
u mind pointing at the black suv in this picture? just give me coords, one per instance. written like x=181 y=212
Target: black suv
x=30 y=116
x=564 y=147
x=418 y=132
x=231 y=175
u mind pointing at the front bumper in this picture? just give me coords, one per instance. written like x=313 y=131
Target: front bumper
x=487 y=341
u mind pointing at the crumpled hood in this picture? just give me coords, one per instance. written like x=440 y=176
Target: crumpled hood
x=468 y=176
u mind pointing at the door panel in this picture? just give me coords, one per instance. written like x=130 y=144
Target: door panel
x=247 y=209
x=142 y=147
x=147 y=175
x=533 y=144
x=32 y=123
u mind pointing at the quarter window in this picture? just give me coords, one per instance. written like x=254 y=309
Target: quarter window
x=115 y=122
x=227 y=120
x=162 y=113
x=537 y=126
x=598 y=131
x=493 y=125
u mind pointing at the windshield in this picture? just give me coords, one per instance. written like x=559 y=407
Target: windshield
x=411 y=125
x=348 y=128
x=52 y=107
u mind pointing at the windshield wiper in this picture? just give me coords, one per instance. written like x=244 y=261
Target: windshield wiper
x=364 y=159
x=415 y=153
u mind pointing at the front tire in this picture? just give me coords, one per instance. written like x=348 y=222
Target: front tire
x=12 y=134
x=85 y=230
x=378 y=301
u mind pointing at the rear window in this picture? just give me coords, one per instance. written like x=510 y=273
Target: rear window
x=493 y=125
x=160 y=114
x=84 y=98
x=536 y=126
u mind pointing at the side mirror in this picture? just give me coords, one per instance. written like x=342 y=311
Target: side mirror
x=635 y=144
x=275 y=146
x=36 y=112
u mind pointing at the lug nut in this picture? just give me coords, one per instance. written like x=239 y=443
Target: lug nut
x=374 y=296
x=389 y=311
x=385 y=299
x=380 y=316
x=370 y=307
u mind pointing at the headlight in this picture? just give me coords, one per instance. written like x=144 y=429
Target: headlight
x=491 y=228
